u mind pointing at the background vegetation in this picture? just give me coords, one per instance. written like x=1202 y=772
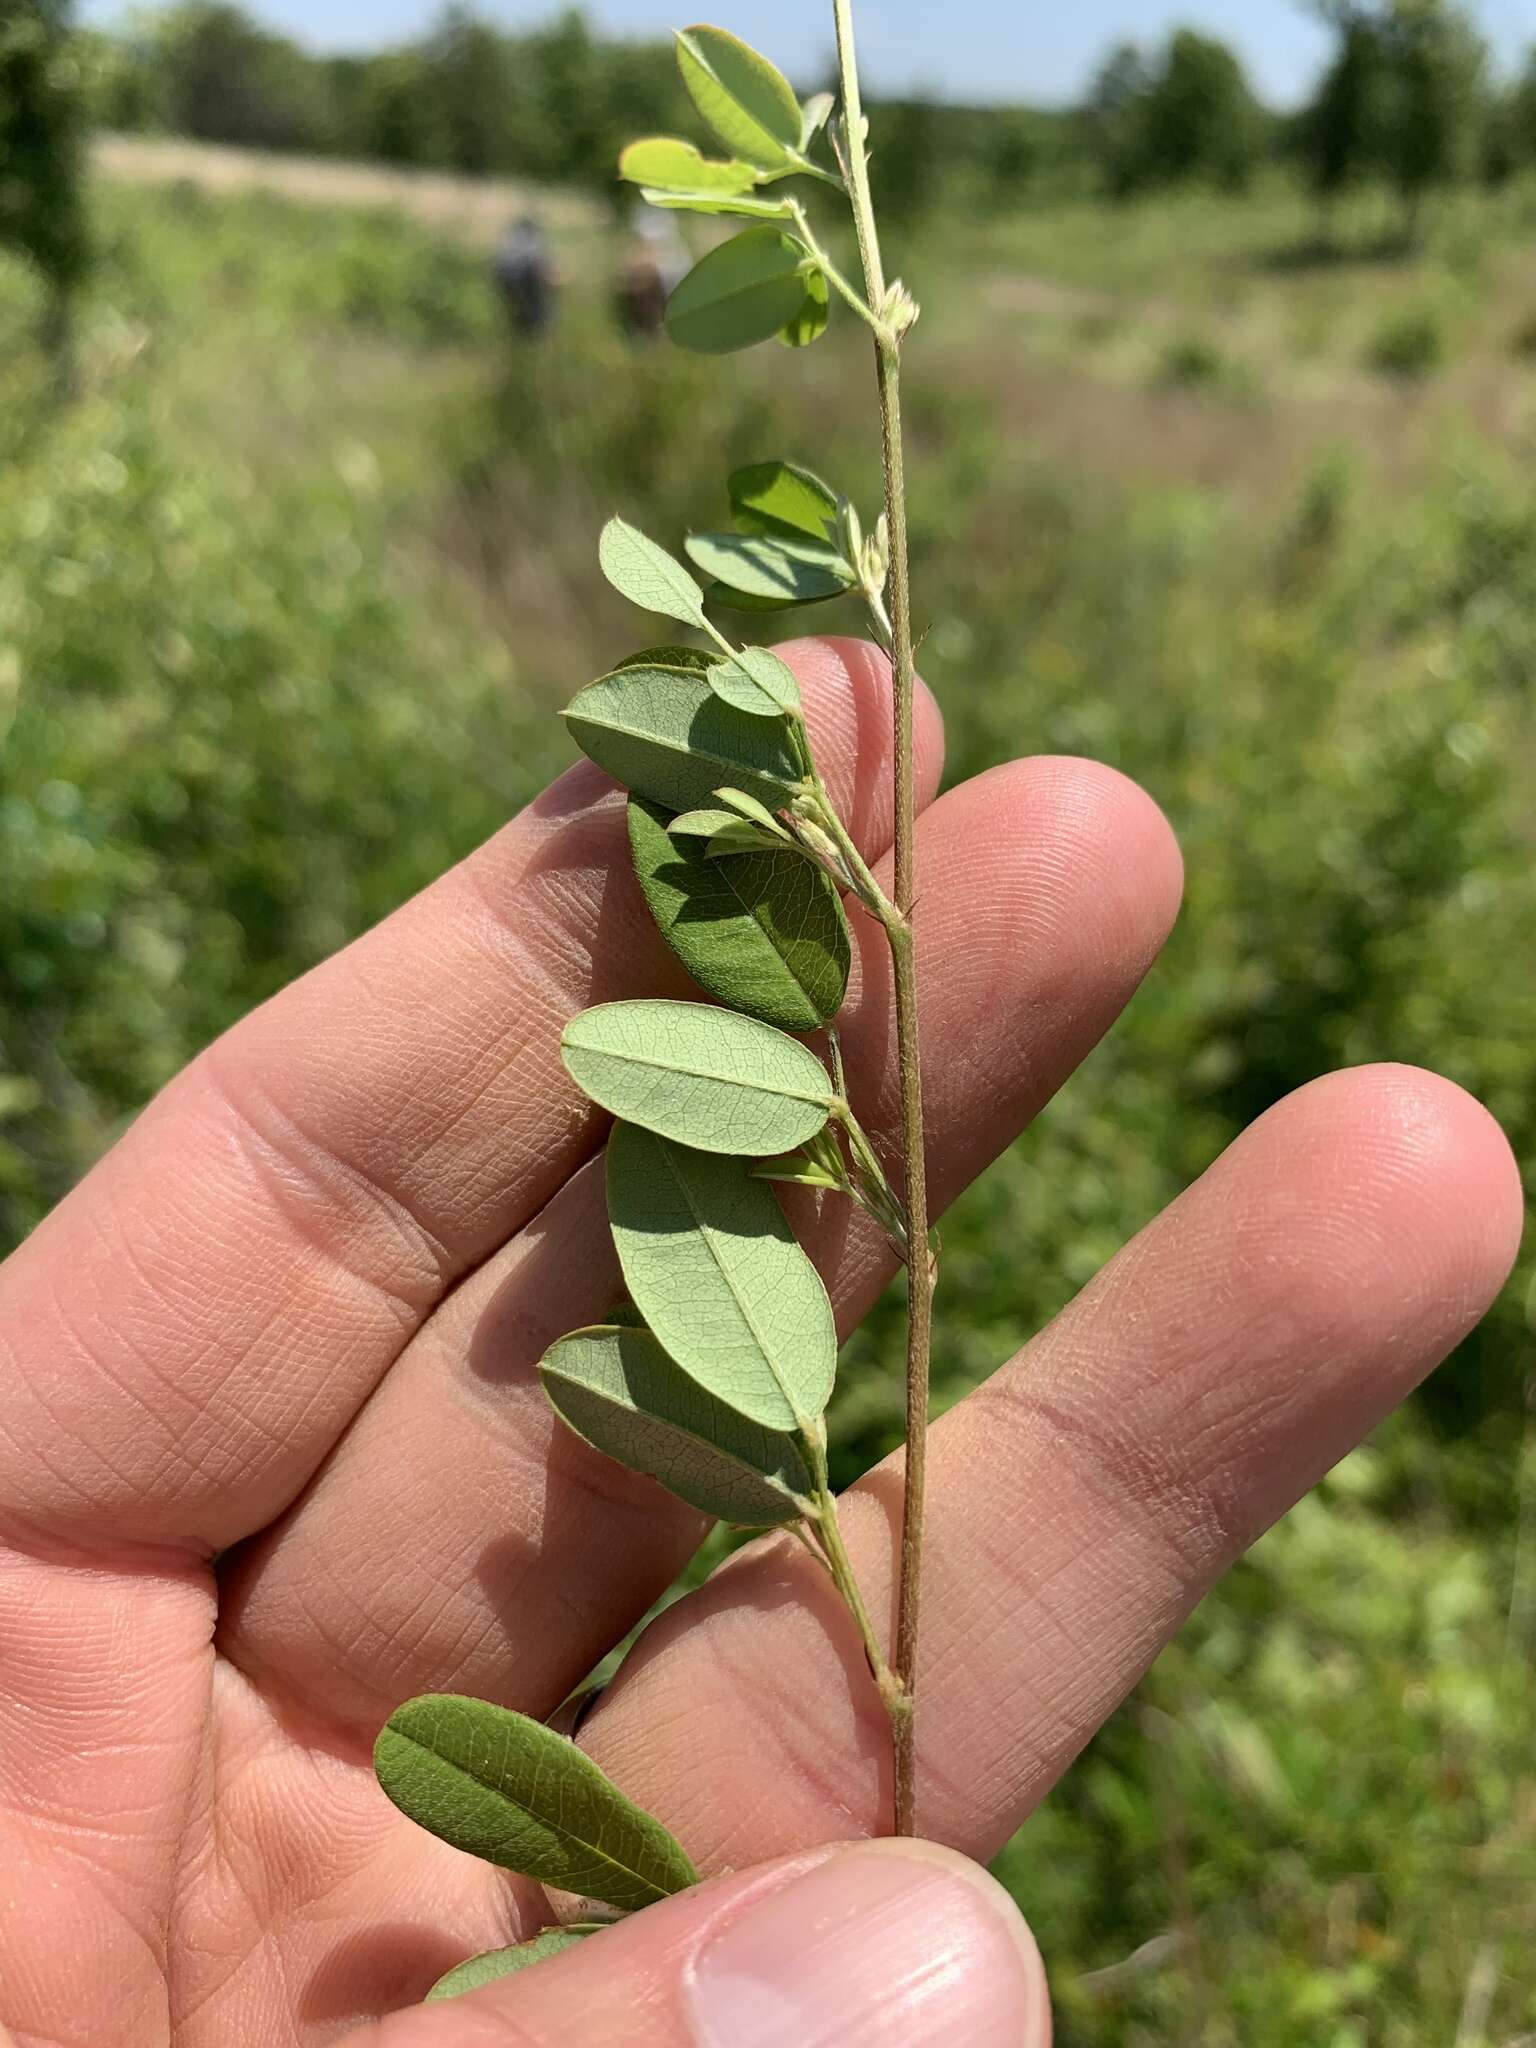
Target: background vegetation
x=1229 y=487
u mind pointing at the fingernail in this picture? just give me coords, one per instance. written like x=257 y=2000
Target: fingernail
x=899 y=1944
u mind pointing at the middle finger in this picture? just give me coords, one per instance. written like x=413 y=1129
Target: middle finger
x=458 y=1539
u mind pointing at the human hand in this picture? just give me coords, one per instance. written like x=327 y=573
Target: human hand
x=293 y=1320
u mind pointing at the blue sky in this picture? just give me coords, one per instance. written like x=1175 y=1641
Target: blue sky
x=968 y=49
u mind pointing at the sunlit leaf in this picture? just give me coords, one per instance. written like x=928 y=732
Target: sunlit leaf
x=512 y=1792
x=697 y=1074
x=622 y=1394
x=647 y=575
x=505 y=1962
x=785 y=499
x=746 y=205
x=757 y=682
x=810 y=323
x=664 y=734
x=743 y=292
x=678 y=166
x=762 y=931
x=814 y=116
x=747 y=101
x=772 y=570
x=723 y=1285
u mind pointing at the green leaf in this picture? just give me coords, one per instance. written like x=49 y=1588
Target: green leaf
x=717 y=1274
x=624 y=1396
x=758 y=682
x=748 y=807
x=699 y=1075
x=743 y=292
x=762 y=931
x=738 y=837
x=810 y=323
x=814 y=116
x=679 y=166
x=784 y=499
x=503 y=1962
x=799 y=1169
x=512 y=1792
x=783 y=572
x=748 y=205
x=696 y=658
x=701 y=824
x=647 y=575
x=664 y=733
x=748 y=102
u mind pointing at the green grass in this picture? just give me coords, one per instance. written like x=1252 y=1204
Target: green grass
x=287 y=604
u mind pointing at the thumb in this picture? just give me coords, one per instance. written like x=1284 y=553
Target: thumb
x=889 y=1944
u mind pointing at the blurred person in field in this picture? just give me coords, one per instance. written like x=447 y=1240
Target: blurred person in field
x=525 y=277
x=654 y=263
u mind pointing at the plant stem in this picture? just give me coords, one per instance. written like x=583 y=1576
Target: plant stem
x=899 y=932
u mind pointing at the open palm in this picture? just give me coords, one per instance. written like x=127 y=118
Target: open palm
x=273 y=1454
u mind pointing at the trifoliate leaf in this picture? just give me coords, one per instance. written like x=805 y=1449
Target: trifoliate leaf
x=743 y=292
x=624 y=1396
x=512 y=1792
x=699 y=1075
x=763 y=931
x=723 y=1285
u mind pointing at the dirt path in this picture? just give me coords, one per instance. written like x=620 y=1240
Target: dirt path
x=473 y=210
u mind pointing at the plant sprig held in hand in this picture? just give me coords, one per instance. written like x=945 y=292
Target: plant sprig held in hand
x=715 y=1379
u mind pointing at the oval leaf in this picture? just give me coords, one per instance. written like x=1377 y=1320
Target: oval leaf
x=758 y=682
x=503 y=1962
x=748 y=102
x=699 y=1075
x=763 y=931
x=512 y=1792
x=718 y=1276
x=743 y=292
x=647 y=575
x=780 y=572
x=783 y=498
x=664 y=733
x=810 y=323
x=624 y=1396
x=678 y=166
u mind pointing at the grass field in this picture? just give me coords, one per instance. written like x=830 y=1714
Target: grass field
x=288 y=600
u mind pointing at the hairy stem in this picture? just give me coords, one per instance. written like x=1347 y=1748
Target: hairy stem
x=899 y=932
x=829 y=1537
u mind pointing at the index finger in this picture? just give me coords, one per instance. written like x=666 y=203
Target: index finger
x=190 y=1331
